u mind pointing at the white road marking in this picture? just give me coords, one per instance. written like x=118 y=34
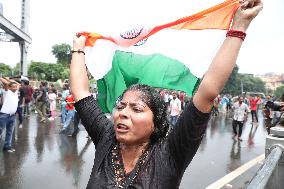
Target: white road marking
x=231 y=176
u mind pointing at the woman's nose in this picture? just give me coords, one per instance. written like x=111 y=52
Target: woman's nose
x=124 y=113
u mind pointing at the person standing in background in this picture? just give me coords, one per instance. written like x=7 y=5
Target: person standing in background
x=240 y=113
x=181 y=98
x=52 y=102
x=70 y=112
x=41 y=102
x=175 y=109
x=65 y=93
x=21 y=104
x=253 y=108
x=28 y=91
x=259 y=103
x=166 y=98
x=8 y=111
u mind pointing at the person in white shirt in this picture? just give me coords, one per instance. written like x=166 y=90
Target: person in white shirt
x=166 y=97
x=175 y=109
x=240 y=115
x=8 y=111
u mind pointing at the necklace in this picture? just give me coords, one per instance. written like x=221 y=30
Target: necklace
x=118 y=167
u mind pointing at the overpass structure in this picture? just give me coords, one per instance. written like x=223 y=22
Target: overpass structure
x=14 y=34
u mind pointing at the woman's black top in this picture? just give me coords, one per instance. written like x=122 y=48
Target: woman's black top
x=167 y=159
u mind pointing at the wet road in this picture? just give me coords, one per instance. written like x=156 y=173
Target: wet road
x=45 y=159
x=219 y=154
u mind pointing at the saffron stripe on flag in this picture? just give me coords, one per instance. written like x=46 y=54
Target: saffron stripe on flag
x=162 y=55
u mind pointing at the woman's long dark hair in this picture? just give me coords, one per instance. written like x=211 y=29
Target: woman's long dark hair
x=153 y=100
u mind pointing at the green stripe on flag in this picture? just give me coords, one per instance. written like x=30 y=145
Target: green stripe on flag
x=155 y=70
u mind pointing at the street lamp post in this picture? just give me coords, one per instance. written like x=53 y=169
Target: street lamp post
x=242 y=87
x=52 y=75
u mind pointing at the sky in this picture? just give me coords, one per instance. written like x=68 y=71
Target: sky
x=57 y=21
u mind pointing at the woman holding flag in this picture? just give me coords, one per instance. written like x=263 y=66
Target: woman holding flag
x=138 y=150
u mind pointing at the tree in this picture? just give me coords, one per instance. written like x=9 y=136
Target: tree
x=17 y=69
x=5 y=70
x=259 y=85
x=231 y=86
x=279 y=91
x=37 y=70
x=248 y=81
x=49 y=72
x=62 y=53
x=251 y=83
x=56 y=71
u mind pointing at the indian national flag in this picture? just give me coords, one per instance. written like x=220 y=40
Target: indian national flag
x=172 y=55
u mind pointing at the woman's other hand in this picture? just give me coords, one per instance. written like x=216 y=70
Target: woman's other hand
x=78 y=74
x=79 y=42
x=248 y=10
x=223 y=63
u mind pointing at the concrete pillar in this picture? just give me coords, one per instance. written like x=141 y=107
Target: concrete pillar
x=23 y=60
x=25 y=13
x=23 y=45
x=1 y=9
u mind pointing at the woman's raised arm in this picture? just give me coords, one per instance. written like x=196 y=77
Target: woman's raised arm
x=222 y=65
x=78 y=73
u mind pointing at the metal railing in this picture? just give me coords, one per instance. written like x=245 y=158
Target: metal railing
x=271 y=174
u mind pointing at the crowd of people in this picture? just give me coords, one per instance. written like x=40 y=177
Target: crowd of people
x=238 y=108
x=50 y=102
x=18 y=98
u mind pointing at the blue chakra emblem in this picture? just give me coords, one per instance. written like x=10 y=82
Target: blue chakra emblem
x=132 y=34
x=141 y=42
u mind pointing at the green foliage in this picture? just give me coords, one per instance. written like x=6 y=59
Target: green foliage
x=49 y=72
x=279 y=91
x=53 y=72
x=62 y=53
x=251 y=83
x=16 y=70
x=5 y=70
x=248 y=81
x=232 y=85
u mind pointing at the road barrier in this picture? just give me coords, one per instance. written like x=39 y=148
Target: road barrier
x=271 y=174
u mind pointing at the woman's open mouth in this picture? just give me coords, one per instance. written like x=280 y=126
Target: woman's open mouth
x=121 y=128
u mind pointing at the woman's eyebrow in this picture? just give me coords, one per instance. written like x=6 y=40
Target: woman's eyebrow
x=123 y=103
x=137 y=103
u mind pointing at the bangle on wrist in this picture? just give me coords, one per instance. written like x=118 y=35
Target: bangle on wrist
x=236 y=33
x=79 y=51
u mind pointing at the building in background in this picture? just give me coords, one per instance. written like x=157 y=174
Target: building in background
x=272 y=80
